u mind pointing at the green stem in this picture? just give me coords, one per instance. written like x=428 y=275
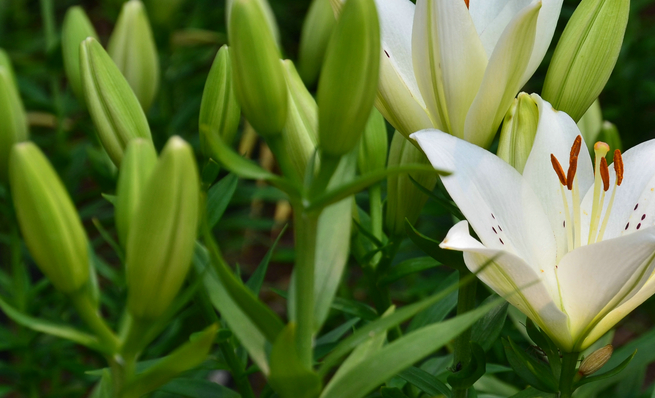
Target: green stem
x=238 y=371
x=88 y=311
x=305 y=230
x=375 y=201
x=327 y=168
x=465 y=303
x=569 y=363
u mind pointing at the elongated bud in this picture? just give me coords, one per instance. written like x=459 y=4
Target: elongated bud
x=268 y=15
x=518 y=131
x=134 y=51
x=373 y=148
x=139 y=161
x=610 y=134
x=404 y=198
x=75 y=29
x=349 y=78
x=114 y=108
x=300 y=135
x=162 y=232
x=219 y=109
x=585 y=55
x=596 y=360
x=590 y=124
x=13 y=121
x=48 y=220
x=316 y=31
x=258 y=74
x=6 y=62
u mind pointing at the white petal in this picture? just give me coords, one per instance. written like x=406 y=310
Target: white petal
x=556 y=132
x=511 y=277
x=399 y=98
x=548 y=17
x=491 y=17
x=502 y=209
x=502 y=80
x=596 y=278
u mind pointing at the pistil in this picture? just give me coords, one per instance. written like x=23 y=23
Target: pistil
x=618 y=169
x=573 y=186
x=600 y=149
x=567 y=215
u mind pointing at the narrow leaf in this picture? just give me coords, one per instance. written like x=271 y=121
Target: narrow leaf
x=487 y=330
x=425 y=381
x=408 y=267
x=431 y=248
x=535 y=373
x=218 y=198
x=257 y=278
x=198 y=388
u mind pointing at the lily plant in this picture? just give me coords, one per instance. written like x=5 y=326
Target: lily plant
x=456 y=65
x=573 y=250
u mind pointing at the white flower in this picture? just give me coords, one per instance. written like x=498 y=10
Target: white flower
x=580 y=259
x=457 y=65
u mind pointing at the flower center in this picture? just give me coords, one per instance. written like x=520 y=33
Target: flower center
x=601 y=186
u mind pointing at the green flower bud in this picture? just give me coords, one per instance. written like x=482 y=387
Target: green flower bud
x=404 y=198
x=162 y=232
x=299 y=135
x=114 y=108
x=585 y=55
x=518 y=131
x=594 y=362
x=316 y=30
x=268 y=14
x=349 y=77
x=219 y=109
x=258 y=74
x=134 y=51
x=139 y=161
x=374 y=146
x=13 y=121
x=590 y=125
x=75 y=29
x=610 y=135
x=48 y=220
x=6 y=62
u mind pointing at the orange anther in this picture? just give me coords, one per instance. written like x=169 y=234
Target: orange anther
x=558 y=169
x=467 y=3
x=605 y=174
x=573 y=167
x=618 y=166
x=575 y=149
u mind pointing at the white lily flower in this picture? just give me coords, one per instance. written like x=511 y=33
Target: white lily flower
x=456 y=65
x=580 y=256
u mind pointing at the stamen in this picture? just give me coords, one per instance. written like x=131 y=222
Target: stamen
x=575 y=149
x=601 y=177
x=605 y=174
x=618 y=167
x=570 y=175
x=558 y=169
x=467 y=3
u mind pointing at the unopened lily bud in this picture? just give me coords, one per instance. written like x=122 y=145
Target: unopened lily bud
x=134 y=51
x=48 y=220
x=596 y=360
x=162 y=232
x=404 y=198
x=316 y=31
x=610 y=134
x=75 y=29
x=518 y=131
x=114 y=108
x=268 y=15
x=300 y=134
x=219 y=110
x=585 y=55
x=258 y=74
x=139 y=161
x=590 y=125
x=373 y=147
x=6 y=62
x=13 y=121
x=349 y=77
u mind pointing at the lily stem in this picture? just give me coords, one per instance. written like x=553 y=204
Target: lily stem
x=569 y=363
x=237 y=369
x=465 y=303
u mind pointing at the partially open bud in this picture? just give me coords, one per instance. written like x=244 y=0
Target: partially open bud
x=139 y=161
x=404 y=198
x=75 y=29
x=134 y=51
x=610 y=134
x=518 y=131
x=162 y=232
x=349 y=78
x=596 y=360
x=258 y=74
x=13 y=121
x=373 y=147
x=114 y=108
x=590 y=125
x=48 y=220
x=585 y=55
x=219 y=109
x=300 y=135
x=316 y=31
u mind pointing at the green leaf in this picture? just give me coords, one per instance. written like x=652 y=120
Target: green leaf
x=104 y=387
x=447 y=204
x=544 y=342
x=467 y=376
x=408 y=267
x=338 y=332
x=399 y=355
x=618 y=369
x=392 y=393
x=355 y=308
x=288 y=376
x=198 y=388
x=425 y=381
x=257 y=278
x=533 y=393
x=487 y=330
x=534 y=372
x=431 y=248
x=438 y=311
x=110 y=198
x=218 y=197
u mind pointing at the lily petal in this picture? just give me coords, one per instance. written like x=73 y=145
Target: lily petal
x=546 y=24
x=595 y=278
x=511 y=277
x=556 y=132
x=399 y=98
x=491 y=17
x=502 y=209
x=503 y=78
